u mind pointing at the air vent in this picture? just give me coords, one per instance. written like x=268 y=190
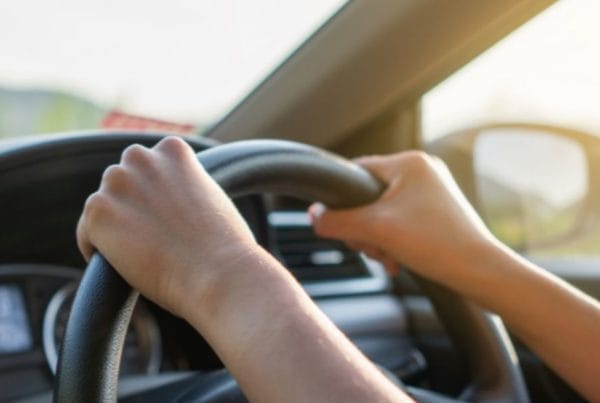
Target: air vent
x=324 y=266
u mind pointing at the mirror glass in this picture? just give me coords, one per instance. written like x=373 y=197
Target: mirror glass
x=531 y=186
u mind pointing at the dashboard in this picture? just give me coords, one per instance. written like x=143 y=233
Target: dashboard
x=35 y=302
x=15 y=335
x=43 y=191
x=43 y=185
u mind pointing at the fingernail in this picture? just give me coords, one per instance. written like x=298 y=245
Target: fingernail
x=315 y=211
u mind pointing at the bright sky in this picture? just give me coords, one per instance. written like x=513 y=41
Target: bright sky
x=177 y=59
x=192 y=60
x=547 y=71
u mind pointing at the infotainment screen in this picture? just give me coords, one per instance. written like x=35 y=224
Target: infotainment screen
x=14 y=328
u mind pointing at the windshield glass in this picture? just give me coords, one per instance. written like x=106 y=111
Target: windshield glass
x=546 y=71
x=66 y=65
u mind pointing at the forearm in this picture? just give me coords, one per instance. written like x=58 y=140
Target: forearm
x=278 y=344
x=558 y=322
x=423 y=221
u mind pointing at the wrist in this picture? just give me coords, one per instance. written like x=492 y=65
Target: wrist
x=215 y=292
x=483 y=272
x=473 y=263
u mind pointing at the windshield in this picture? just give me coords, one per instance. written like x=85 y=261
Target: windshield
x=66 y=65
x=546 y=71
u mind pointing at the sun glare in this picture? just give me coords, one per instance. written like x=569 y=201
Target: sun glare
x=184 y=60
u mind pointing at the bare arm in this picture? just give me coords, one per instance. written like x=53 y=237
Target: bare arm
x=279 y=346
x=558 y=322
x=424 y=222
x=170 y=231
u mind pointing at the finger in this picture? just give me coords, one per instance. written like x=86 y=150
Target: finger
x=139 y=158
x=390 y=265
x=389 y=168
x=356 y=246
x=347 y=224
x=384 y=167
x=180 y=155
x=380 y=256
x=97 y=208
x=83 y=243
x=174 y=148
x=372 y=252
x=115 y=179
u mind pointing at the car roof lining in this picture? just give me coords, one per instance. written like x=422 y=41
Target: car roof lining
x=364 y=60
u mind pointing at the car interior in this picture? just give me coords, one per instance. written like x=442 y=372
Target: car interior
x=354 y=87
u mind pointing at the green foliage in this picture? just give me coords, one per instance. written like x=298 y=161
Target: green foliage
x=554 y=235
x=26 y=112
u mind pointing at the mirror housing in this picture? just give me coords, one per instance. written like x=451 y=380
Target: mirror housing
x=473 y=154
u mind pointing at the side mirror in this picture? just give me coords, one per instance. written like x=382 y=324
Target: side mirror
x=537 y=187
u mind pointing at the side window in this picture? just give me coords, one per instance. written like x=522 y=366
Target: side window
x=520 y=129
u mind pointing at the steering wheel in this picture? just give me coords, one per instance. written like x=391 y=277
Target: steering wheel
x=93 y=341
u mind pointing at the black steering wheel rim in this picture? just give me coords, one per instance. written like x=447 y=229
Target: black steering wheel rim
x=89 y=362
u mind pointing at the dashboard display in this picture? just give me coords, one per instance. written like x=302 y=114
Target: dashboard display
x=14 y=329
x=141 y=351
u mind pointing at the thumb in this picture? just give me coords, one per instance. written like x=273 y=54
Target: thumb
x=346 y=225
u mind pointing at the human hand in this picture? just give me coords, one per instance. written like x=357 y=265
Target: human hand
x=165 y=225
x=422 y=220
